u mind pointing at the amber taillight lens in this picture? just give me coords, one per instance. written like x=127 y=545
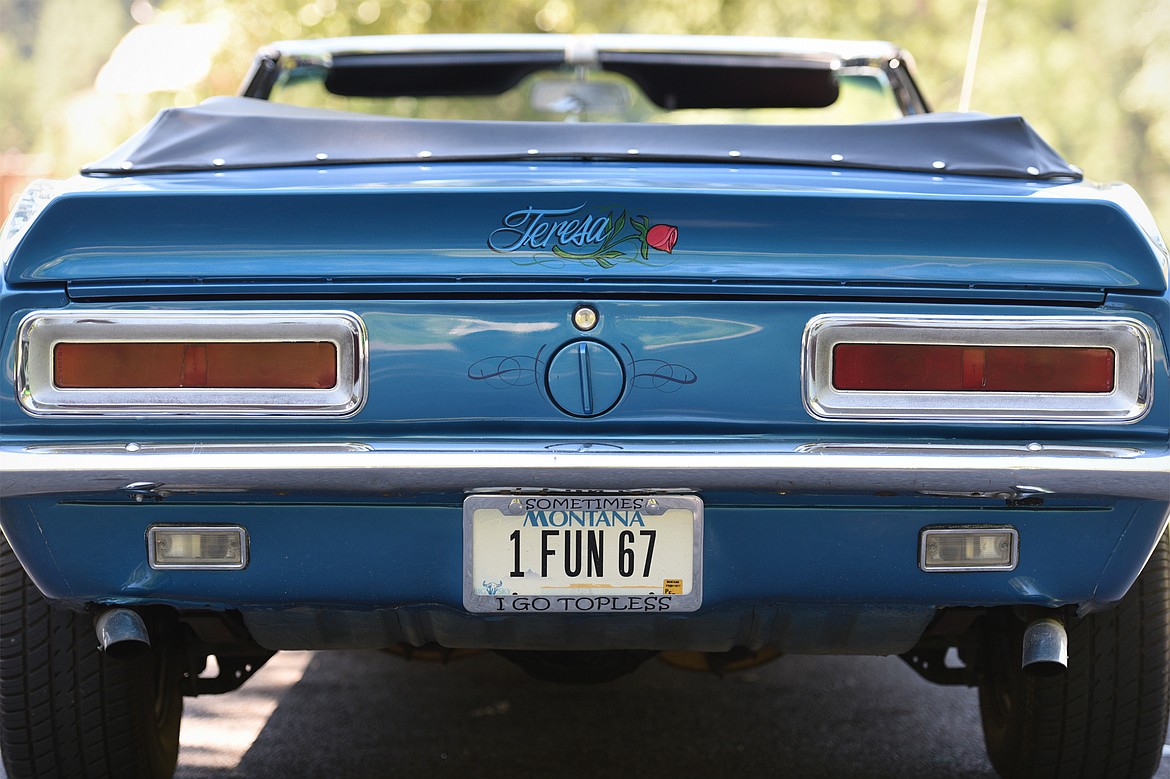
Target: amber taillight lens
x=217 y=365
x=943 y=368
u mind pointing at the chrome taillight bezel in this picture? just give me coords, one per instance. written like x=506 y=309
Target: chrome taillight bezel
x=40 y=331
x=1128 y=402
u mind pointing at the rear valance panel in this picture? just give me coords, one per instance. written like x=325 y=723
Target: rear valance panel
x=479 y=232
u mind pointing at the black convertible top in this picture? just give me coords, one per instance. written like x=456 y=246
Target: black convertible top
x=240 y=132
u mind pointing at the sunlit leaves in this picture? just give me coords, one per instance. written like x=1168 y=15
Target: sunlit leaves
x=1091 y=75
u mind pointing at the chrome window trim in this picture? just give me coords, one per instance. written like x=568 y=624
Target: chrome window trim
x=40 y=331
x=584 y=48
x=1130 y=339
x=276 y=61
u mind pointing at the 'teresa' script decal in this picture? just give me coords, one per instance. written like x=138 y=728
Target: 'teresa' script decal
x=587 y=237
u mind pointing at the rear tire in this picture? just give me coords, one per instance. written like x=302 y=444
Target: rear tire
x=67 y=710
x=1107 y=715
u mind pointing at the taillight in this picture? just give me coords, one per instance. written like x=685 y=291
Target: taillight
x=928 y=367
x=207 y=363
x=232 y=365
x=1010 y=369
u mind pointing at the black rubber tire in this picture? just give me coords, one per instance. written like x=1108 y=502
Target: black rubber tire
x=1107 y=715
x=67 y=710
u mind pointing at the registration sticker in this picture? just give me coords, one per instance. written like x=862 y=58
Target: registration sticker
x=582 y=552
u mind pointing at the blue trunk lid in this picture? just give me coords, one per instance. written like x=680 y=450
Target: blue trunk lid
x=600 y=222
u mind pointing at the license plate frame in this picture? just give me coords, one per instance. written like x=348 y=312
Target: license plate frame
x=675 y=578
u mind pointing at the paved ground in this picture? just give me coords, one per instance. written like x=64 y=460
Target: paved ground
x=366 y=715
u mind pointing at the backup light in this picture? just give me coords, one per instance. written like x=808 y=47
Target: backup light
x=197 y=548
x=968 y=549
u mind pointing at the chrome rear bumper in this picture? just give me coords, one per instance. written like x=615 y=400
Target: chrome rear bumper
x=994 y=471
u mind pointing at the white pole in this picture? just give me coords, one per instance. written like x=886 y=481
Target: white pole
x=972 y=57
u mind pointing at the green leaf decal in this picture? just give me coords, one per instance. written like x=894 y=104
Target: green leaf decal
x=622 y=229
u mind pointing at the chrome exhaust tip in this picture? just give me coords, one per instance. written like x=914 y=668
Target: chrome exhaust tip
x=122 y=634
x=1045 y=648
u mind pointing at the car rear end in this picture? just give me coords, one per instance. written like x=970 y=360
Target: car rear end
x=843 y=380
x=621 y=403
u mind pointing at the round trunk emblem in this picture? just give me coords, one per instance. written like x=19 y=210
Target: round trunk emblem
x=585 y=379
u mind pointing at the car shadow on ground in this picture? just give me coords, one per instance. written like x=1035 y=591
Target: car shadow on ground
x=367 y=714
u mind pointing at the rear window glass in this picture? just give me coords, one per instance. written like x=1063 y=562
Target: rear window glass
x=852 y=94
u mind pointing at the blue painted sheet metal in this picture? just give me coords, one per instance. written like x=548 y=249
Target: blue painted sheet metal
x=758 y=551
x=591 y=221
x=477 y=368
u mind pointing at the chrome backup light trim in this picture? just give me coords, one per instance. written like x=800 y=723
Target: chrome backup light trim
x=41 y=331
x=1130 y=340
x=371 y=469
x=927 y=532
x=152 y=540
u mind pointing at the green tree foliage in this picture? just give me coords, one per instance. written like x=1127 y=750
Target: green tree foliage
x=1091 y=75
x=18 y=120
x=49 y=51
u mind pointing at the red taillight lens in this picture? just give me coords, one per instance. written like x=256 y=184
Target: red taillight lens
x=219 y=365
x=927 y=367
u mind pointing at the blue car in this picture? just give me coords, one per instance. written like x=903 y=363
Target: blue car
x=582 y=350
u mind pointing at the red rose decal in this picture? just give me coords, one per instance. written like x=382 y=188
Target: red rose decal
x=662 y=237
x=589 y=237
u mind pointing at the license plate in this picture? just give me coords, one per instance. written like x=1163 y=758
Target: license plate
x=582 y=553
